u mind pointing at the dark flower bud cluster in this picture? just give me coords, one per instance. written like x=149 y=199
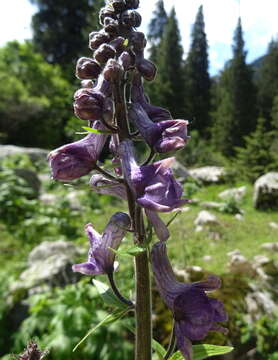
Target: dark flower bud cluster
x=112 y=109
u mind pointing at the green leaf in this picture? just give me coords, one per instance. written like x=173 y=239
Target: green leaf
x=159 y=349
x=109 y=319
x=204 y=351
x=132 y=251
x=125 y=42
x=107 y=295
x=96 y=131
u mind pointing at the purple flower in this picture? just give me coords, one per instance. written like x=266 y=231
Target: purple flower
x=100 y=257
x=194 y=312
x=155 y=113
x=104 y=186
x=71 y=161
x=164 y=136
x=154 y=186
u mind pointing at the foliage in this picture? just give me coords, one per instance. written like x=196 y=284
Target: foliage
x=169 y=88
x=230 y=206
x=256 y=157
x=61 y=28
x=34 y=98
x=268 y=81
x=197 y=77
x=59 y=318
x=235 y=110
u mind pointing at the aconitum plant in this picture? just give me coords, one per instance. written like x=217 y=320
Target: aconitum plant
x=113 y=103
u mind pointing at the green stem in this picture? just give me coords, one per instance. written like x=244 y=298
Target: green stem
x=172 y=344
x=117 y=292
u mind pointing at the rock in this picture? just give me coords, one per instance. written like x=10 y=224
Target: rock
x=205 y=218
x=239 y=217
x=273 y=225
x=49 y=199
x=35 y=154
x=180 y=171
x=273 y=247
x=236 y=193
x=238 y=264
x=207 y=258
x=31 y=179
x=49 y=265
x=73 y=198
x=209 y=174
x=266 y=191
x=211 y=205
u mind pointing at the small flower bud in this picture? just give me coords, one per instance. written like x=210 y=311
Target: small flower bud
x=88 y=84
x=88 y=104
x=104 y=52
x=87 y=68
x=132 y=4
x=106 y=12
x=138 y=41
x=125 y=60
x=118 y=44
x=111 y=26
x=131 y=18
x=146 y=68
x=112 y=70
x=118 y=5
x=98 y=38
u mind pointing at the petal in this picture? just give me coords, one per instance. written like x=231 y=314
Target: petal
x=219 y=311
x=160 y=228
x=212 y=283
x=87 y=269
x=93 y=236
x=183 y=343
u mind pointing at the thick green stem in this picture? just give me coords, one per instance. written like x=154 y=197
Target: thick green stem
x=143 y=308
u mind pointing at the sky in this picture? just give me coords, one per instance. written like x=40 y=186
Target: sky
x=259 y=21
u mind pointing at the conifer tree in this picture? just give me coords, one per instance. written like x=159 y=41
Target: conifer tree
x=236 y=111
x=197 y=77
x=268 y=81
x=60 y=29
x=156 y=29
x=170 y=84
x=256 y=158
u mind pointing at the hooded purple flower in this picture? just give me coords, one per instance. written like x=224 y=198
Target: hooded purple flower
x=71 y=161
x=194 y=312
x=100 y=257
x=164 y=136
x=154 y=186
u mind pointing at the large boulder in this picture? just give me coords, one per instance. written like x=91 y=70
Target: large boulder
x=266 y=191
x=209 y=174
x=35 y=154
x=235 y=193
x=49 y=265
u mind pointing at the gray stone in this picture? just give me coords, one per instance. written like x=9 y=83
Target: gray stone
x=31 y=179
x=205 y=218
x=211 y=205
x=74 y=199
x=236 y=193
x=273 y=247
x=209 y=174
x=35 y=154
x=49 y=199
x=273 y=225
x=239 y=217
x=266 y=191
x=180 y=171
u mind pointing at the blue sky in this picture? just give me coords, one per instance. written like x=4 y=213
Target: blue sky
x=259 y=19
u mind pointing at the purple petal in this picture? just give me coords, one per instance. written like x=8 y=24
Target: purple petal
x=87 y=269
x=219 y=311
x=104 y=186
x=160 y=228
x=212 y=283
x=183 y=344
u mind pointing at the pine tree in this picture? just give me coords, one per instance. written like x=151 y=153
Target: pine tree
x=156 y=29
x=256 y=158
x=236 y=110
x=197 y=77
x=60 y=29
x=268 y=81
x=169 y=83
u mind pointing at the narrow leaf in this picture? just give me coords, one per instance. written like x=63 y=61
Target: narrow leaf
x=109 y=319
x=132 y=251
x=107 y=295
x=204 y=351
x=96 y=131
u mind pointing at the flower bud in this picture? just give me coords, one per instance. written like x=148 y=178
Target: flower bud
x=146 y=68
x=104 y=52
x=131 y=18
x=98 y=38
x=87 y=68
x=112 y=70
x=88 y=104
x=118 y=5
x=125 y=60
x=138 y=41
x=106 y=12
x=118 y=44
x=88 y=84
x=111 y=26
x=132 y=4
